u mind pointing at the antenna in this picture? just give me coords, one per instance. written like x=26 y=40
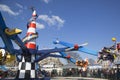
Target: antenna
x=32 y=8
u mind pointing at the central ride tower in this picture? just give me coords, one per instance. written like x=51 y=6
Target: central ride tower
x=27 y=69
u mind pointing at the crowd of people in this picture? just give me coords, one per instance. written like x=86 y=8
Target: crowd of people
x=110 y=74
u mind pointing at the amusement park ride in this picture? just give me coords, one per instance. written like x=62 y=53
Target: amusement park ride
x=28 y=55
x=111 y=54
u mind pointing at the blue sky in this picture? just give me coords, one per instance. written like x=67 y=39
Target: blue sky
x=75 y=21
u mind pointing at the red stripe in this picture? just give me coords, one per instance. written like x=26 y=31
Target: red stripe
x=32 y=25
x=30 y=45
x=34 y=15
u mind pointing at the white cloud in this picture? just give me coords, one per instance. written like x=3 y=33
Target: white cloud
x=52 y=21
x=46 y=1
x=40 y=26
x=19 y=5
x=7 y=9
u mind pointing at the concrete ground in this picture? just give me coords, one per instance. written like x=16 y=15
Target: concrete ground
x=61 y=78
x=75 y=78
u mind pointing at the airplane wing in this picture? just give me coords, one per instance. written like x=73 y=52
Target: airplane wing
x=77 y=47
x=45 y=53
x=63 y=55
x=88 y=51
x=8 y=35
x=68 y=57
x=63 y=43
x=5 y=38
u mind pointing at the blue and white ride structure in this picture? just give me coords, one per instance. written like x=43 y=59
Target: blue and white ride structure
x=28 y=54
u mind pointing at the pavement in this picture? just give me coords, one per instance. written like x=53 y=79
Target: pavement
x=75 y=78
x=60 y=78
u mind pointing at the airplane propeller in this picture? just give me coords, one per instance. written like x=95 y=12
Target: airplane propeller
x=77 y=47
